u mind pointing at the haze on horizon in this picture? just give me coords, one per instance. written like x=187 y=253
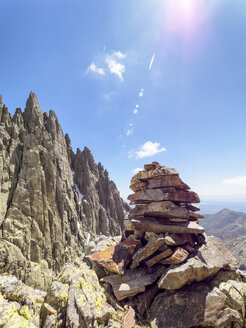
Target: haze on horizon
x=137 y=81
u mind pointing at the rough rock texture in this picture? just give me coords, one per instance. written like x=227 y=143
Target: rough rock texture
x=50 y=198
x=193 y=306
x=209 y=259
x=238 y=248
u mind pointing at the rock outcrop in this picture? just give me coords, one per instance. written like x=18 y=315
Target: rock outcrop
x=51 y=200
x=166 y=266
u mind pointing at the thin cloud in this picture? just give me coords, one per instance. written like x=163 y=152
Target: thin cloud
x=240 y=180
x=136 y=170
x=95 y=69
x=115 y=67
x=146 y=150
x=119 y=54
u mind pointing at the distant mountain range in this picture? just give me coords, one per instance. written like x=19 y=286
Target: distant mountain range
x=225 y=224
x=231 y=227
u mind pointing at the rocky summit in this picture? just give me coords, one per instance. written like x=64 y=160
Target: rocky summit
x=52 y=200
x=58 y=210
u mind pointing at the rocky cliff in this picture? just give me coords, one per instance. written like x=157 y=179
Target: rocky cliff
x=51 y=200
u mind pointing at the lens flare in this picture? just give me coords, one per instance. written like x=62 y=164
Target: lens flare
x=185 y=17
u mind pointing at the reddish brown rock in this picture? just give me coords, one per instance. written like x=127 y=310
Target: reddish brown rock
x=129 y=321
x=153 y=244
x=175 y=239
x=179 y=256
x=159 y=257
x=157 y=227
x=133 y=281
x=165 y=209
x=116 y=257
x=167 y=181
x=158 y=195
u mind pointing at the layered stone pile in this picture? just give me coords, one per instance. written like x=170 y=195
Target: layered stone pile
x=166 y=264
x=163 y=216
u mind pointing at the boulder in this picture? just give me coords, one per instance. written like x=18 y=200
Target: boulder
x=194 y=306
x=210 y=258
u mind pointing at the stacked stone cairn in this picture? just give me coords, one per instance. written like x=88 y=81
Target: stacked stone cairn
x=161 y=230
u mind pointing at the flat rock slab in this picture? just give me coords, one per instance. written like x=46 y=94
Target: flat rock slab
x=179 y=256
x=158 y=227
x=158 y=195
x=154 y=243
x=115 y=258
x=167 y=181
x=210 y=258
x=156 y=259
x=178 y=239
x=165 y=209
x=133 y=281
x=193 y=306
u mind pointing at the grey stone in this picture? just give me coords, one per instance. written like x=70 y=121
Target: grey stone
x=210 y=258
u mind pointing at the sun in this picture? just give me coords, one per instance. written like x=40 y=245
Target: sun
x=184 y=17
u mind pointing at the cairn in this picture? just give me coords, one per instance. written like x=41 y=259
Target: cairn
x=161 y=230
x=164 y=216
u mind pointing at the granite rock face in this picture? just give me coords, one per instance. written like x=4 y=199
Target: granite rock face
x=50 y=198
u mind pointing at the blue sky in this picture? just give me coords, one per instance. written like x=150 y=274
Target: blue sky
x=89 y=62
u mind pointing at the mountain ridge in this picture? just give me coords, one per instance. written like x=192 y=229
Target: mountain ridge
x=51 y=199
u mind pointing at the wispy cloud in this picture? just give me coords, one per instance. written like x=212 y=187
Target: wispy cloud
x=119 y=54
x=95 y=69
x=146 y=150
x=115 y=67
x=240 y=180
x=136 y=170
x=109 y=63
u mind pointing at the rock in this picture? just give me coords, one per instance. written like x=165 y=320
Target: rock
x=57 y=295
x=193 y=306
x=143 y=300
x=160 y=170
x=153 y=244
x=133 y=281
x=129 y=321
x=178 y=239
x=156 y=259
x=167 y=181
x=179 y=256
x=50 y=197
x=156 y=226
x=115 y=258
x=158 y=195
x=210 y=258
x=152 y=166
x=165 y=209
x=48 y=316
x=19 y=304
